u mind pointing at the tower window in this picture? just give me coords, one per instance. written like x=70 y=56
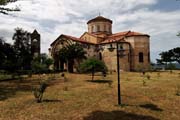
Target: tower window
x=141 y=57
x=92 y=28
x=98 y=28
x=149 y=57
x=100 y=56
x=109 y=28
x=104 y=27
x=35 y=40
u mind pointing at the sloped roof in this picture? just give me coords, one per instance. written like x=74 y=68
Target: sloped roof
x=112 y=40
x=109 y=39
x=99 y=19
x=77 y=39
x=71 y=38
x=128 y=34
x=35 y=32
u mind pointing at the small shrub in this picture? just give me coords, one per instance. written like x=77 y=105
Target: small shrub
x=143 y=73
x=52 y=77
x=65 y=88
x=144 y=82
x=178 y=90
x=110 y=84
x=64 y=77
x=127 y=79
x=148 y=77
x=179 y=75
x=38 y=92
x=158 y=74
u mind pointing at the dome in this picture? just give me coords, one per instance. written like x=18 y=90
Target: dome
x=99 y=19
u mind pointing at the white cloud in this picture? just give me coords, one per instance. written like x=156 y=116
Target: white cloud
x=54 y=17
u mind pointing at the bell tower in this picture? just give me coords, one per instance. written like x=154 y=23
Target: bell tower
x=35 y=44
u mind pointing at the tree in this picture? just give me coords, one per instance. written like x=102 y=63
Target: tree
x=178 y=34
x=176 y=54
x=72 y=53
x=93 y=65
x=169 y=56
x=22 y=48
x=165 y=57
x=41 y=64
x=5 y=10
x=7 y=56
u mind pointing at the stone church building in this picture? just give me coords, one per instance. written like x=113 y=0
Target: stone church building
x=99 y=38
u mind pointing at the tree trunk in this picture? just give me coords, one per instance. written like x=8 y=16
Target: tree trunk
x=92 y=76
x=92 y=73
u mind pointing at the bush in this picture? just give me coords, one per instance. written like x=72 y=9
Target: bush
x=92 y=65
x=38 y=92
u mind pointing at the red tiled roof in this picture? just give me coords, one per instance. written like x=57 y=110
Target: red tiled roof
x=99 y=18
x=77 y=39
x=89 y=34
x=73 y=39
x=110 y=39
x=128 y=34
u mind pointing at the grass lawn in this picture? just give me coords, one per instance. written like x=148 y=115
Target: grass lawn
x=81 y=99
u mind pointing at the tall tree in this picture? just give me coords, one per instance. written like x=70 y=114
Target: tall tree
x=165 y=57
x=42 y=63
x=7 y=56
x=178 y=34
x=169 y=56
x=5 y=10
x=22 y=47
x=176 y=54
x=72 y=53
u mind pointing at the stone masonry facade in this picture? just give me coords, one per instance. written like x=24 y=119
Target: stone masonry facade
x=99 y=39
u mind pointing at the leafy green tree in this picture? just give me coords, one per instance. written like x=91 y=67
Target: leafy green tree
x=41 y=64
x=5 y=10
x=165 y=57
x=72 y=53
x=93 y=65
x=176 y=54
x=22 y=48
x=178 y=34
x=7 y=56
x=169 y=56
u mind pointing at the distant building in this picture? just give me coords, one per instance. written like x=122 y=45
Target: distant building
x=35 y=44
x=99 y=38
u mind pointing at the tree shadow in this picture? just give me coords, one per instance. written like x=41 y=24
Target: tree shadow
x=117 y=115
x=100 y=81
x=49 y=101
x=6 y=93
x=10 y=88
x=151 y=107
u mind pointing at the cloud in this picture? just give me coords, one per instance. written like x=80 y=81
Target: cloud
x=54 y=17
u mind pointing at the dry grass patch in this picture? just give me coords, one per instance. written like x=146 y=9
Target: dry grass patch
x=80 y=99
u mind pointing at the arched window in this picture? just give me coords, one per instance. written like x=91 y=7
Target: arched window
x=109 y=28
x=105 y=28
x=100 y=56
x=149 y=60
x=98 y=28
x=92 y=28
x=141 y=57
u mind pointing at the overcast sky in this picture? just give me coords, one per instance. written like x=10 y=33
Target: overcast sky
x=158 y=18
